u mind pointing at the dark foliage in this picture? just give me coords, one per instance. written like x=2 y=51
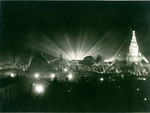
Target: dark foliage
x=88 y=94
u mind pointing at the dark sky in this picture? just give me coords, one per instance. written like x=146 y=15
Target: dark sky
x=18 y=19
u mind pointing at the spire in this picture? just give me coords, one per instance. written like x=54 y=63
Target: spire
x=133 y=34
x=133 y=49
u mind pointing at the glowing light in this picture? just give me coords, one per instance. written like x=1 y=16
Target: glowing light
x=113 y=80
x=70 y=76
x=65 y=70
x=144 y=79
x=83 y=45
x=145 y=99
x=101 y=79
x=69 y=91
x=12 y=75
x=122 y=75
x=137 y=89
x=36 y=75
x=39 y=89
x=52 y=75
x=112 y=59
x=117 y=71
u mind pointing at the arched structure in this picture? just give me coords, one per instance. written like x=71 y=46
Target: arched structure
x=39 y=63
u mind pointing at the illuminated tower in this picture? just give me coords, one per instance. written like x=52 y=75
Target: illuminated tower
x=60 y=61
x=134 y=55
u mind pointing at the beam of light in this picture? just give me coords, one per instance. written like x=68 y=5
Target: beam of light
x=128 y=26
x=74 y=47
x=96 y=46
x=16 y=61
x=144 y=58
x=49 y=47
x=118 y=51
x=106 y=45
x=80 y=44
x=85 y=43
x=11 y=59
x=70 y=47
x=30 y=58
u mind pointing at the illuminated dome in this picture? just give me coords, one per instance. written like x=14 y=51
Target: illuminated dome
x=39 y=63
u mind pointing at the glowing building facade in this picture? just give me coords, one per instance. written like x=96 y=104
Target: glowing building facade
x=134 y=55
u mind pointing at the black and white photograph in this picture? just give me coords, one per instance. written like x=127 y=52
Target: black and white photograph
x=74 y=56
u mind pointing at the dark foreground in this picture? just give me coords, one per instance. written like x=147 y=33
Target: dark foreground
x=89 y=94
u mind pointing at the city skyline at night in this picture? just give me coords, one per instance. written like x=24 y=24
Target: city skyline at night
x=74 y=56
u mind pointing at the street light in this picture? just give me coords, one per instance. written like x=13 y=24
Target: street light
x=65 y=70
x=36 y=75
x=39 y=89
x=52 y=75
x=145 y=99
x=70 y=76
x=101 y=79
x=12 y=75
x=144 y=79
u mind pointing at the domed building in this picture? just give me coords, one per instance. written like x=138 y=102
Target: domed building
x=39 y=64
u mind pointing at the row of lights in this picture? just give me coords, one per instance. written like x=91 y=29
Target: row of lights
x=40 y=88
x=141 y=79
x=137 y=73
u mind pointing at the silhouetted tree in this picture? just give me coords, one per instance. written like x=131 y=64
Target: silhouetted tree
x=88 y=60
x=116 y=61
x=98 y=59
x=143 y=61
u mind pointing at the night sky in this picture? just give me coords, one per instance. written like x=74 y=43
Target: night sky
x=20 y=19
